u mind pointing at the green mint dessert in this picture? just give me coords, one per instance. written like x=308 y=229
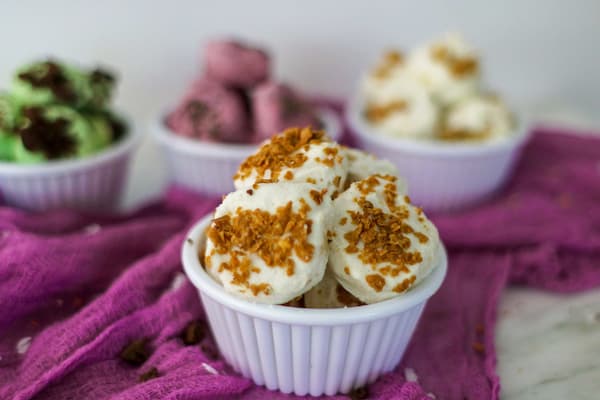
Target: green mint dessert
x=9 y=111
x=50 y=82
x=57 y=111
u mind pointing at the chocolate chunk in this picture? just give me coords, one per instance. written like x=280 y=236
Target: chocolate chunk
x=48 y=137
x=150 y=374
x=101 y=76
x=215 y=132
x=197 y=111
x=118 y=129
x=135 y=353
x=53 y=79
x=246 y=98
x=359 y=393
x=193 y=333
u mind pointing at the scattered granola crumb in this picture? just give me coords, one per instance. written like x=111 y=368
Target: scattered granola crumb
x=376 y=281
x=337 y=180
x=360 y=393
x=136 y=352
x=281 y=152
x=378 y=112
x=317 y=196
x=150 y=374
x=478 y=347
x=193 y=333
x=275 y=238
x=405 y=284
x=23 y=345
x=458 y=66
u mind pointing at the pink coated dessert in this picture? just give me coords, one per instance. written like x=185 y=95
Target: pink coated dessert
x=211 y=112
x=234 y=64
x=276 y=106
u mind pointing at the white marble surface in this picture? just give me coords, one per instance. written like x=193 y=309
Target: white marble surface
x=548 y=345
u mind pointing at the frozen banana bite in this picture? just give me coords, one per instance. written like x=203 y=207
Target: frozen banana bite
x=381 y=245
x=434 y=94
x=296 y=155
x=448 y=68
x=268 y=243
x=391 y=65
x=483 y=117
x=403 y=108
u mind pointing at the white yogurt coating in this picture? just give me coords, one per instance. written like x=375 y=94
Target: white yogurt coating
x=446 y=87
x=391 y=66
x=480 y=117
x=283 y=286
x=361 y=165
x=314 y=170
x=352 y=272
x=329 y=294
x=417 y=119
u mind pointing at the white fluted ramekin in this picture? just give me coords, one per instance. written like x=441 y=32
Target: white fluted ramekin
x=307 y=351
x=208 y=167
x=93 y=183
x=443 y=176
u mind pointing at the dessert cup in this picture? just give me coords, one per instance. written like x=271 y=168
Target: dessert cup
x=307 y=351
x=443 y=176
x=208 y=167
x=93 y=183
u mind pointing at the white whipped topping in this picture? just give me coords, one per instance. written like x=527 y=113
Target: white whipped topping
x=482 y=116
x=283 y=287
x=353 y=273
x=445 y=86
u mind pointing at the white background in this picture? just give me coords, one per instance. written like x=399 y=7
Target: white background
x=544 y=55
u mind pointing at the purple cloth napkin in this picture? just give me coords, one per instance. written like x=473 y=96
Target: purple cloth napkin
x=78 y=293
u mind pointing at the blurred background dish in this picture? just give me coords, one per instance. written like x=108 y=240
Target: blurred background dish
x=229 y=109
x=61 y=145
x=430 y=112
